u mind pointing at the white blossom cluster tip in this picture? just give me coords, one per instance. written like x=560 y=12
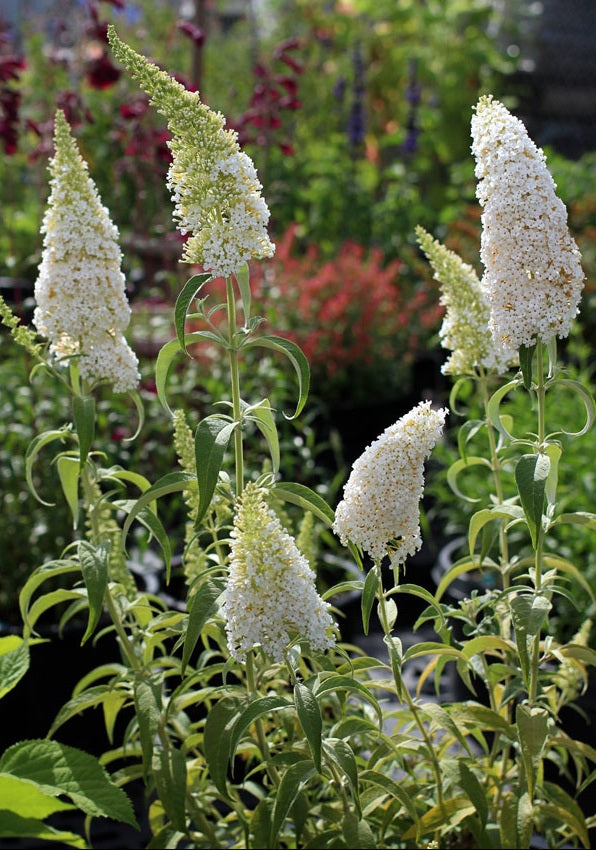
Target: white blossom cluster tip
x=465 y=328
x=82 y=307
x=533 y=274
x=214 y=186
x=271 y=596
x=380 y=510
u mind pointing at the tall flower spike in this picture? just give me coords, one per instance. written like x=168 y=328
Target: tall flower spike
x=215 y=188
x=380 y=510
x=465 y=328
x=271 y=596
x=533 y=273
x=82 y=307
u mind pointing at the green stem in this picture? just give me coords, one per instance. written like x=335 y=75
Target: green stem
x=235 y=384
x=538 y=555
x=401 y=688
x=260 y=729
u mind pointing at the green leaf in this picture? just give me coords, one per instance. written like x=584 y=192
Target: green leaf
x=291 y=782
x=309 y=715
x=25 y=799
x=526 y=356
x=443 y=720
x=468 y=430
x=369 y=593
x=296 y=357
x=14 y=662
x=138 y=403
x=211 y=440
x=166 y=356
x=172 y=482
x=554 y=453
x=148 y=708
x=203 y=604
x=243 y=279
x=83 y=412
x=47 y=571
x=588 y=401
x=577 y=518
x=169 y=772
x=68 y=472
x=342 y=755
x=565 y=810
x=265 y=422
x=304 y=497
x=188 y=293
x=260 y=824
x=395 y=650
x=528 y=612
x=35 y=446
x=357 y=833
x=94 y=562
x=392 y=789
x=417 y=590
x=219 y=728
x=506 y=513
x=449 y=814
x=494 y=406
x=532 y=728
x=15 y=826
x=457 y=467
x=256 y=709
x=333 y=683
x=458 y=771
x=59 y=769
x=531 y=473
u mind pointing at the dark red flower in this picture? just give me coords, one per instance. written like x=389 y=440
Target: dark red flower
x=102 y=73
x=192 y=31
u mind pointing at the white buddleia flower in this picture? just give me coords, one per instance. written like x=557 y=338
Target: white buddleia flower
x=214 y=185
x=380 y=509
x=82 y=307
x=271 y=597
x=465 y=328
x=533 y=275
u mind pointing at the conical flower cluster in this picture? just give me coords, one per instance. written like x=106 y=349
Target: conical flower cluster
x=380 y=510
x=82 y=307
x=214 y=186
x=465 y=328
x=533 y=273
x=271 y=597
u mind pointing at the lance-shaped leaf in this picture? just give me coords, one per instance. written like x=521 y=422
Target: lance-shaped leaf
x=291 y=782
x=189 y=291
x=309 y=715
x=68 y=472
x=83 y=412
x=526 y=357
x=588 y=401
x=203 y=604
x=369 y=593
x=296 y=357
x=169 y=771
x=173 y=482
x=304 y=497
x=532 y=728
x=148 y=706
x=219 y=728
x=33 y=449
x=211 y=441
x=166 y=356
x=262 y=415
x=531 y=474
x=94 y=562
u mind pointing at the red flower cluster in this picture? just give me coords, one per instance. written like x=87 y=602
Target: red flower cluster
x=11 y=66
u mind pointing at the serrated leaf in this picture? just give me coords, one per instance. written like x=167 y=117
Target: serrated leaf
x=203 y=605
x=14 y=662
x=95 y=561
x=309 y=715
x=15 y=826
x=211 y=441
x=59 y=769
x=68 y=472
x=531 y=473
x=296 y=357
x=304 y=497
x=189 y=291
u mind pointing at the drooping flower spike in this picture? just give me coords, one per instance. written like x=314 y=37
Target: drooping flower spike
x=465 y=328
x=82 y=307
x=271 y=597
x=380 y=509
x=533 y=274
x=214 y=185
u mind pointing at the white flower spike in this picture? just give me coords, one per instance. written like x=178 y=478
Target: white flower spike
x=82 y=307
x=380 y=510
x=271 y=596
x=533 y=275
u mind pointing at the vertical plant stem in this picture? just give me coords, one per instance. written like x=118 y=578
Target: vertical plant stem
x=260 y=729
x=538 y=555
x=235 y=384
x=401 y=687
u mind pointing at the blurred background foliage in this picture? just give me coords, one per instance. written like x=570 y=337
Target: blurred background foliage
x=357 y=115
